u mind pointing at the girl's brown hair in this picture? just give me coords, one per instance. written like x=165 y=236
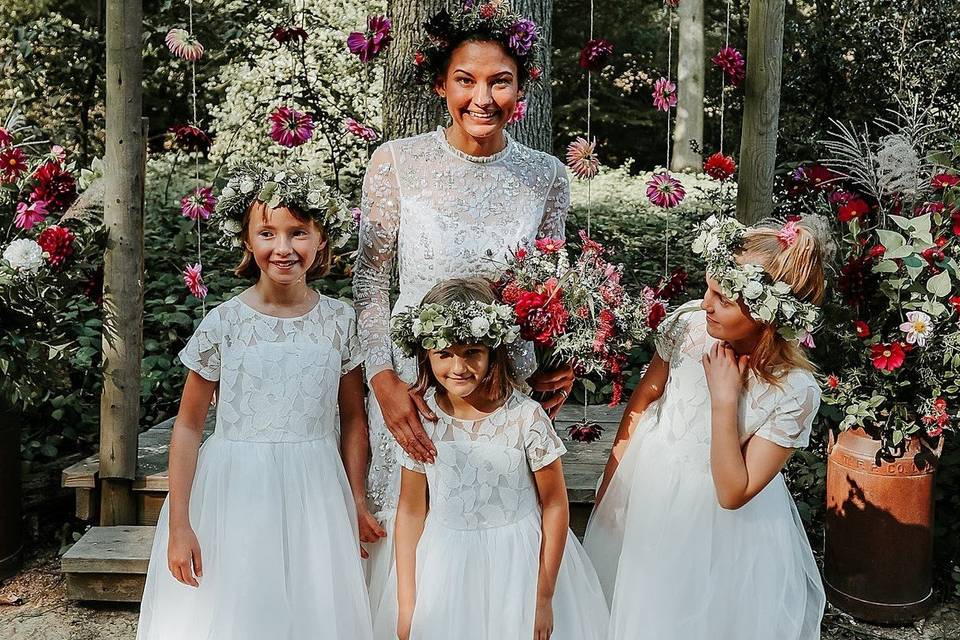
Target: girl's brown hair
x=501 y=377
x=799 y=264
x=248 y=265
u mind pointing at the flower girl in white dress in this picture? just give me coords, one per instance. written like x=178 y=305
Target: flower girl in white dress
x=259 y=535
x=489 y=555
x=695 y=536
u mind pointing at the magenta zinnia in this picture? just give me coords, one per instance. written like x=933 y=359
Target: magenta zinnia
x=360 y=130
x=193 y=278
x=665 y=191
x=732 y=63
x=290 y=127
x=30 y=214
x=199 y=203
x=5 y=138
x=664 y=94
x=367 y=45
x=582 y=158
x=184 y=45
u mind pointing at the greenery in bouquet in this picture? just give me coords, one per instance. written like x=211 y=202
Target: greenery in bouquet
x=895 y=361
x=49 y=260
x=578 y=312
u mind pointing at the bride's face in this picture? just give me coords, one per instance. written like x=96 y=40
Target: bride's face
x=481 y=88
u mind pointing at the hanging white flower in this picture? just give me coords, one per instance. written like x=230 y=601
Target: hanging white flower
x=25 y=256
x=917 y=327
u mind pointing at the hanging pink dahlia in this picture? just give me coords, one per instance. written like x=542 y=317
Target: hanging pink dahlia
x=57 y=243
x=664 y=94
x=193 y=278
x=31 y=214
x=184 y=45
x=663 y=190
x=360 y=130
x=518 y=112
x=290 y=128
x=199 y=203
x=732 y=63
x=582 y=158
x=367 y=45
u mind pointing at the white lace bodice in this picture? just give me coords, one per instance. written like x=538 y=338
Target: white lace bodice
x=279 y=377
x=783 y=415
x=434 y=213
x=483 y=473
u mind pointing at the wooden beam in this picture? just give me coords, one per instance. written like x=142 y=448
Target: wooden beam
x=123 y=261
x=761 y=110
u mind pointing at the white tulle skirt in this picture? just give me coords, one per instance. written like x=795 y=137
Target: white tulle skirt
x=481 y=584
x=278 y=538
x=675 y=565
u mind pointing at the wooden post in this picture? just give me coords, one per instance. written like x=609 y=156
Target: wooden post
x=123 y=263
x=761 y=110
x=690 y=78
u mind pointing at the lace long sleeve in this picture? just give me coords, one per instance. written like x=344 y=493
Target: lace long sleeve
x=553 y=224
x=379 y=223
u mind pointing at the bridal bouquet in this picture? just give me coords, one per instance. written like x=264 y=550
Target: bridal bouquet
x=578 y=312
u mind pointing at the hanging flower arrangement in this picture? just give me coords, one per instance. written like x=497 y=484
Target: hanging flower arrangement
x=184 y=44
x=720 y=167
x=190 y=138
x=377 y=37
x=360 y=130
x=595 y=54
x=665 y=191
x=193 y=278
x=289 y=127
x=199 y=203
x=732 y=63
x=582 y=158
x=664 y=94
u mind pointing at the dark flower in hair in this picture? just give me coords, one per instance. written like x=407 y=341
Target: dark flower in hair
x=523 y=35
x=595 y=54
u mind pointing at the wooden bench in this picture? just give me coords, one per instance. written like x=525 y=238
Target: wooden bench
x=110 y=563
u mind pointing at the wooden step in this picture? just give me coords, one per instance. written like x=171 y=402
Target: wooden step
x=108 y=564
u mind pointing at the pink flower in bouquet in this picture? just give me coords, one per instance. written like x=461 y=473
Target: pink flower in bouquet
x=806 y=340
x=357 y=215
x=290 y=128
x=549 y=245
x=31 y=214
x=190 y=138
x=193 y=278
x=595 y=54
x=58 y=154
x=55 y=185
x=5 y=138
x=732 y=64
x=199 y=203
x=360 y=130
x=13 y=164
x=184 y=45
x=57 y=243
x=582 y=158
x=590 y=246
x=720 y=167
x=887 y=357
x=612 y=293
x=519 y=112
x=605 y=328
x=853 y=210
x=663 y=190
x=367 y=45
x=944 y=181
x=788 y=234
x=664 y=94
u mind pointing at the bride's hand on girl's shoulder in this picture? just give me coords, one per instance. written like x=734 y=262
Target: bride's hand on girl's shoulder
x=183 y=556
x=370 y=529
x=726 y=372
x=402 y=410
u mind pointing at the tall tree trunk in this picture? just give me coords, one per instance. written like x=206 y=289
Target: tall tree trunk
x=690 y=73
x=409 y=110
x=123 y=262
x=761 y=110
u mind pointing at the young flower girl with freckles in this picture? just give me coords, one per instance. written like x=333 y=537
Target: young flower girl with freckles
x=258 y=538
x=483 y=546
x=695 y=536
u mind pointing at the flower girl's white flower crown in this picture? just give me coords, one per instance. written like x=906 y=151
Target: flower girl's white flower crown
x=281 y=185
x=438 y=326
x=719 y=240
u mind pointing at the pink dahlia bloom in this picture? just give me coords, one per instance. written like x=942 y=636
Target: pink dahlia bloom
x=360 y=130
x=199 y=203
x=290 y=128
x=31 y=214
x=367 y=45
x=518 y=112
x=732 y=63
x=663 y=190
x=664 y=94
x=582 y=158
x=193 y=278
x=184 y=45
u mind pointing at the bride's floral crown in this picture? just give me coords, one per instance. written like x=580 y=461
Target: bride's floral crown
x=491 y=20
x=276 y=186
x=719 y=240
x=438 y=326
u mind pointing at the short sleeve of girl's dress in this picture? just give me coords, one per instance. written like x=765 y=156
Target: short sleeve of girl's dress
x=790 y=424
x=202 y=353
x=672 y=331
x=409 y=463
x=351 y=353
x=540 y=440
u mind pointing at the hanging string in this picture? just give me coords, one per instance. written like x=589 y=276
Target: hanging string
x=589 y=109
x=196 y=158
x=723 y=80
x=666 y=213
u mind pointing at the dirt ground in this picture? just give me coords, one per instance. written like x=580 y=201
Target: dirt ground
x=33 y=606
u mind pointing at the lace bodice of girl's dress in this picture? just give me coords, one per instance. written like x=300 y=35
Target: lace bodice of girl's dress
x=483 y=473
x=783 y=415
x=279 y=377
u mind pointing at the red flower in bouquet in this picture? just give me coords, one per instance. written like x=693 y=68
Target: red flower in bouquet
x=590 y=246
x=856 y=280
x=720 y=167
x=936 y=417
x=955 y=222
x=944 y=181
x=658 y=311
x=887 y=357
x=57 y=243
x=955 y=301
x=877 y=251
x=605 y=326
x=853 y=209
x=55 y=186
x=810 y=177
x=13 y=164
x=833 y=381
x=541 y=315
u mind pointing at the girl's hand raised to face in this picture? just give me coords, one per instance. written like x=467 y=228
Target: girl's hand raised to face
x=726 y=372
